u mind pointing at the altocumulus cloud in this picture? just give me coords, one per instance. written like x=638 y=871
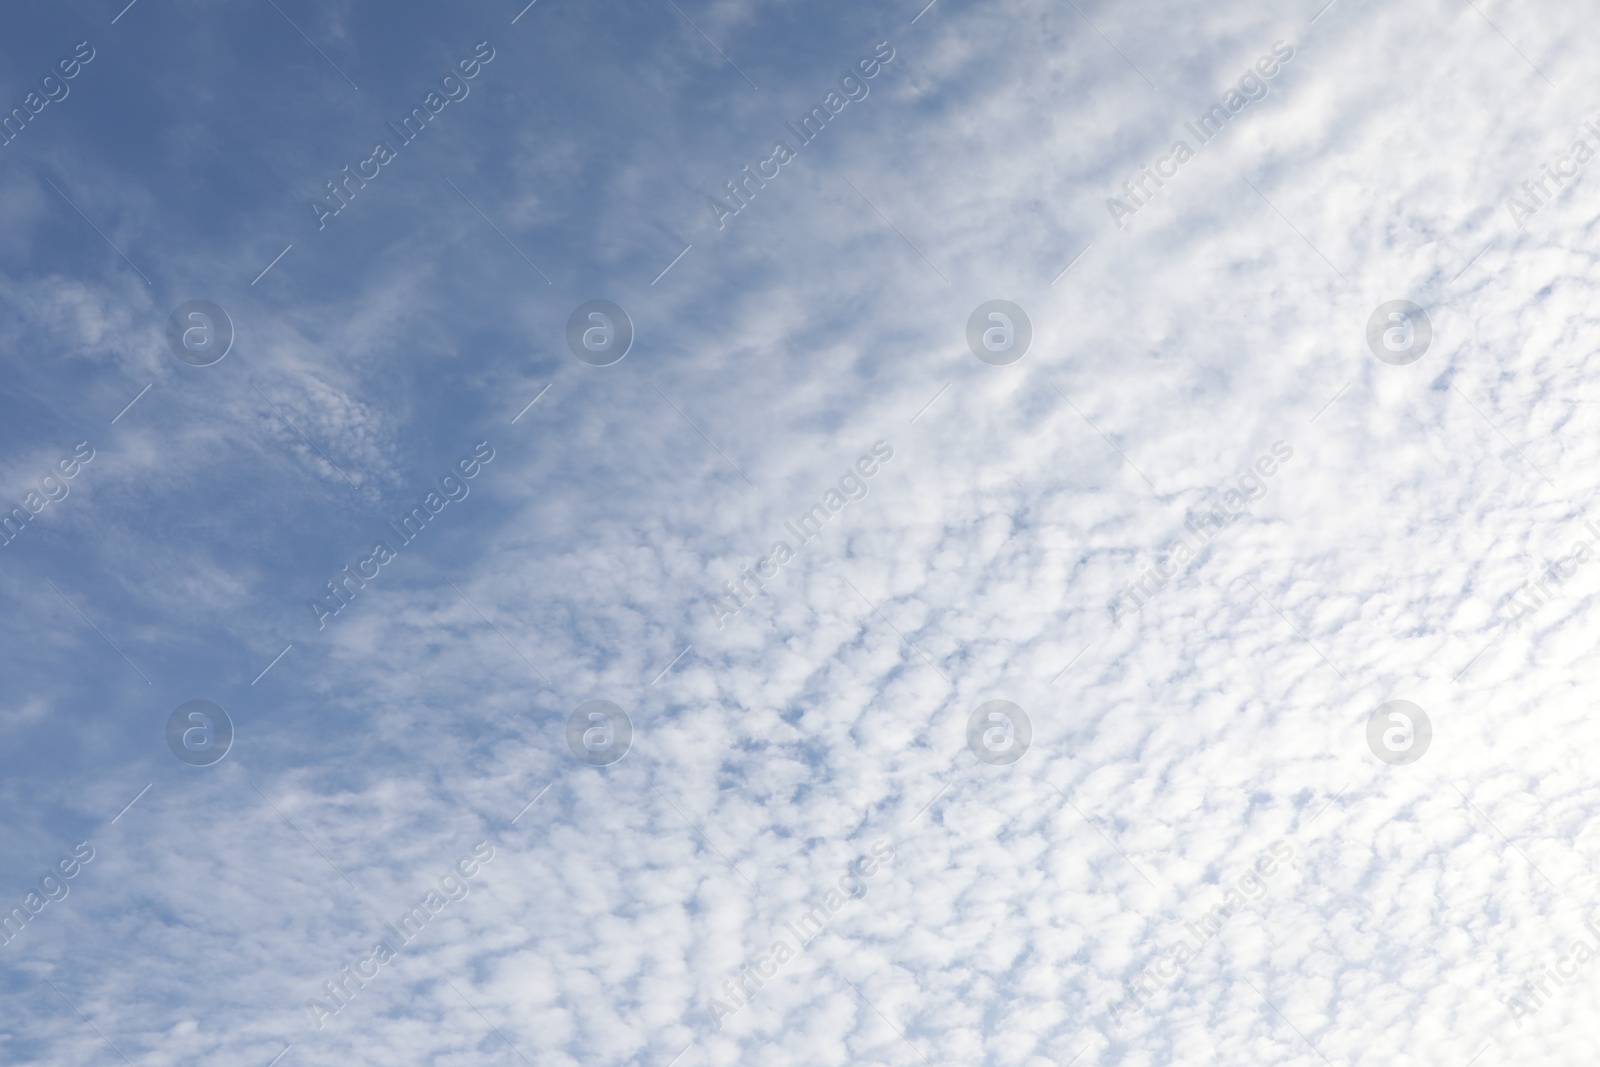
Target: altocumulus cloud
x=1026 y=898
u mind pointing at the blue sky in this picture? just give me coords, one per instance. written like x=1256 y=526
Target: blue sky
x=1010 y=506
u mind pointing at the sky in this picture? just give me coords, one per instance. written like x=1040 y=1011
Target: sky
x=696 y=532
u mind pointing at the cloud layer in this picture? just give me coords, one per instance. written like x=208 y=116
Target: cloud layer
x=1189 y=712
